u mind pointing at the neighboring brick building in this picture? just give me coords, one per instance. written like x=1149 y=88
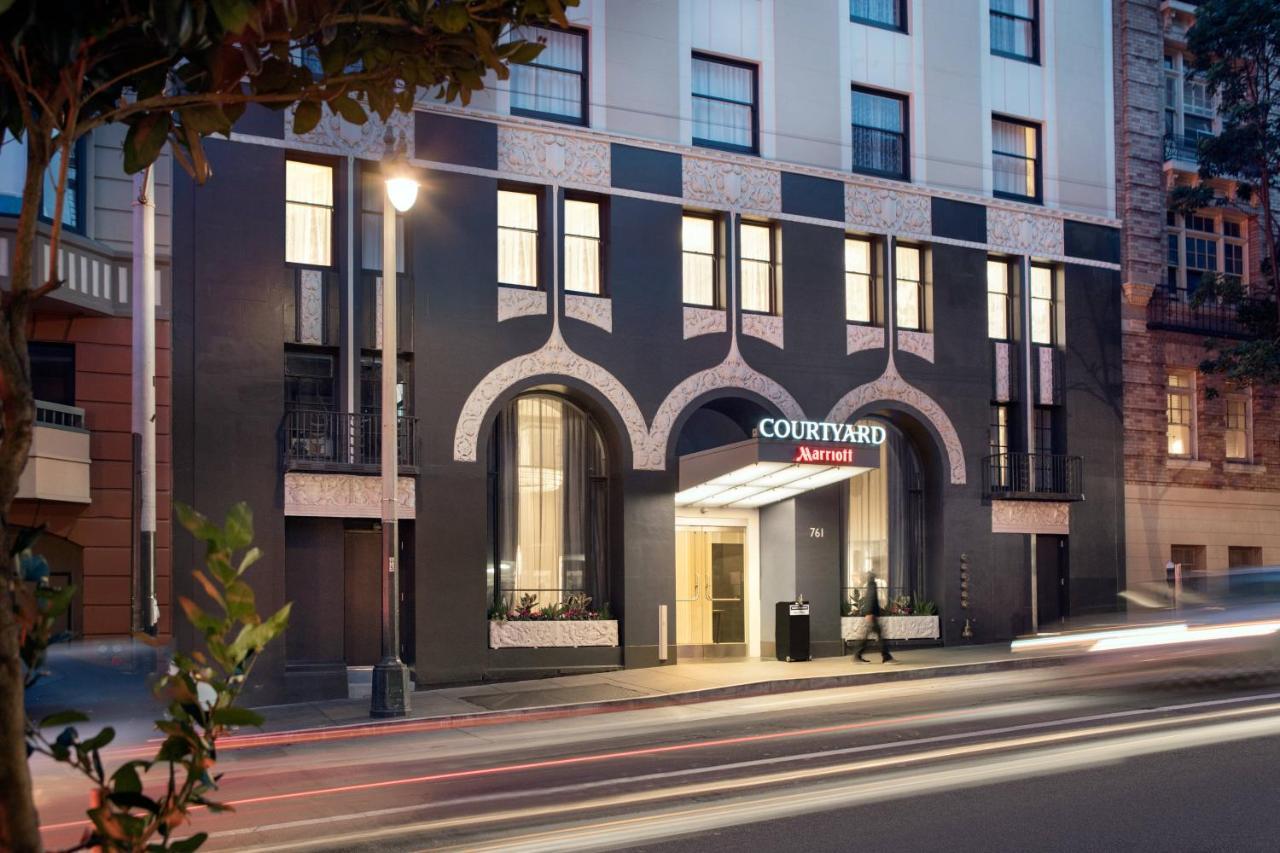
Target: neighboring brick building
x=1202 y=476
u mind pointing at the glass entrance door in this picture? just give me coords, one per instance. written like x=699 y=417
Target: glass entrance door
x=711 y=571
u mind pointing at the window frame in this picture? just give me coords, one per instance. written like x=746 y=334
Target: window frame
x=75 y=191
x=772 y=228
x=539 y=284
x=717 y=250
x=900 y=9
x=904 y=103
x=42 y=353
x=921 y=308
x=998 y=423
x=1053 y=305
x=602 y=242
x=1006 y=295
x=1187 y=393
x=754 y=68
x=1246 y=429
x=333 y=166
x=584 y=119
x=1034 y=21
x=1177 y=228
x=873 y=246
x=328 y=354
x=1038 y=160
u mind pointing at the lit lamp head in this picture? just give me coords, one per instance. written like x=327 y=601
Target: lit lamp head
x=402 y=187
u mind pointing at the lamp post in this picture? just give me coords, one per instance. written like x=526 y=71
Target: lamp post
x=390 y=696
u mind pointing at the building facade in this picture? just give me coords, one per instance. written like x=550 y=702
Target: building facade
x=715 y=305
x=1202 y=473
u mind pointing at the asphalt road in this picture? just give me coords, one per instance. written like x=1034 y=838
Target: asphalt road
x=1029 y=760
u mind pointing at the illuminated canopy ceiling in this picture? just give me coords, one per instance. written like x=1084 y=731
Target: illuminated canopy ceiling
x=757 y=472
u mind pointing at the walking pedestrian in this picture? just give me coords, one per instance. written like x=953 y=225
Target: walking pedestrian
x=870 y=611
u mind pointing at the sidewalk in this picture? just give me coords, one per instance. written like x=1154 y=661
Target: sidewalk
x=632 y=689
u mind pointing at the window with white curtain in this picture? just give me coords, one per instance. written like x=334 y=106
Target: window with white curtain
x=698 y=247
x=998 y=300
x=724 y=104
x=1239 y=433
x=1043 y=307
x=858 y=295
x=1014 y=29
x=308 y=209
x=879 y=133
x=756 y=268
x=1015 y=159
x=890 y=14
x=909 y=287
x=554 y=85
x=1180 y=413
x=518 y=238
x=373 y=192
x=582 y=246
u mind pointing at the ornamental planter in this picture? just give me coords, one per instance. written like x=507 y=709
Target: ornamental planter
x=894 y=627
x=551 y=633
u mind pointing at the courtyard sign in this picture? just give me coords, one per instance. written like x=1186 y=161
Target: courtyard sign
x=859 y=433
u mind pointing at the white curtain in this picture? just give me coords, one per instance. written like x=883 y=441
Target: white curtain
x=308 y=213
x=997 y=300
x=757 y=267
x=909 y=312
x=878 y=133
x=1041 y=305
x=857 y=280
x=1013 y=158
x=723 y=98
x=699 y=245
x=880 y=11
x=553 y=84
x=518 y=238
x=867 y=546
x=372 y=193
x=582 y=246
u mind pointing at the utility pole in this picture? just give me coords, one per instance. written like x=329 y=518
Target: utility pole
x=146 y=610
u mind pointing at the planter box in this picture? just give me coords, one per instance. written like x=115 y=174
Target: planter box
x=894 y=627
x=536 y=634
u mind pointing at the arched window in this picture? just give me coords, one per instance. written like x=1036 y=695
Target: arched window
x=884 y=529
x=550 y=476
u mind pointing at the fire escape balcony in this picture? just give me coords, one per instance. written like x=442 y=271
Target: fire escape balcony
x=1033 y=477
x=322 y=440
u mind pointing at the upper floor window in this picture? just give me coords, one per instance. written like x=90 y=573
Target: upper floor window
x=859 y=298
x=698 y=247
x=1189 y=111
x=1015 y=29
x=308 y=208
x=1239 y=433
x=909 y=287
x=13 y=172
x=998 y=300
x=890 y=14
x=1043 y=306
x=1208 y=242
x=310 y=380
x=1180 y=412
x=373 y=193
x=998 y=444
x=757 y=279
x=879 y=133
x=582 y=265
x=53 y=372
x=554 y=85
x=1015 y=159
x=724 y=104
x=518 y=238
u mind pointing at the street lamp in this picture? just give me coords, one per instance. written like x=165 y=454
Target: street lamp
x=390 y=697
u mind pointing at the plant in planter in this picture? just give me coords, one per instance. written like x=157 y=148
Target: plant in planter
x=575 y=608
x=570 y=622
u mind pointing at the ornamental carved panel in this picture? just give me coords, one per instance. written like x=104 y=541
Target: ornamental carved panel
x=704 y=321
x=311 y=307
x=516 y=302
x=344 y=495
x=766 y=327
x=1024 y=233
x=1003 y=377
x=1044 y=359
x=554 y=157
x=860 y=338
x=596 y=310
x=1030 y=517
x=733 y=184
x=917 y=343
x=888 y=211
x=367 y=141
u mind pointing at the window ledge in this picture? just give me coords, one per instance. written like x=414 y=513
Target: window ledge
x=1187 y=464
x=1243 y=468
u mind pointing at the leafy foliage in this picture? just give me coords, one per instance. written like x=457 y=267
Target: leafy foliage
x=575 y=607
x=1236 y=49
x=200 y=692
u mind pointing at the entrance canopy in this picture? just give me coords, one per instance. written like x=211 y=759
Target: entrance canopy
x=761 y=471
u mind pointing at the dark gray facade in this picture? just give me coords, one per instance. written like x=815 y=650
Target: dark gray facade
x=642 y=379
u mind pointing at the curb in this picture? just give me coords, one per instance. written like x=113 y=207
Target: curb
x=609 y=706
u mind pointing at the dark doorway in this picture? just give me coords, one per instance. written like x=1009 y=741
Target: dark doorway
x=362 y=554
x=1051 y=579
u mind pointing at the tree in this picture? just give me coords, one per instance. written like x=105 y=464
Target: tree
x=1236 y=51
x=177 y=71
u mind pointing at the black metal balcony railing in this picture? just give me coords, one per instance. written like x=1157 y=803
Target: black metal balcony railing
x=318 y=439
x=1033 y=476
x=1183 y=146
x=1170 y=312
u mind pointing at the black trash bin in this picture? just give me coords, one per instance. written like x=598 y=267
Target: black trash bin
x=791 y=630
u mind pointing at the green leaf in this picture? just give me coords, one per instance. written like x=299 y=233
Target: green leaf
x=525 y=53
x=239 y=527
x=187 y=845
x=237 y=717
x=240 y=603
x=144 y=140
x=134 y=800
x=349 y=110
x=199 y=526
x=205 y=120
x=452 y=18
x=125 y=779
x=173 y=749
x=250 y=557
x=306 y=117
x=63 y=718
x=232 y=14
x=202 y=621
x=99 y=740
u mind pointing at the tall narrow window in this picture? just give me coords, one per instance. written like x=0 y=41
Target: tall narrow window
x=1015 y=159
x=309 y=381
x=71 y=199
x=1043 y=314
x=698 y=246
x=889 y=14
x=1014 y=29
x=582 y=246
x=757 y=282
x=998 y=300
x=998 y=444
x=308 y=209
x=517 y=238
x=53 y=372
x=373 y=192
x=879 y=133
x=909 y=288
x=1180 y=413
x=859 y=300
x=554 y=85
x=1239 y=429
x=724 y=104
